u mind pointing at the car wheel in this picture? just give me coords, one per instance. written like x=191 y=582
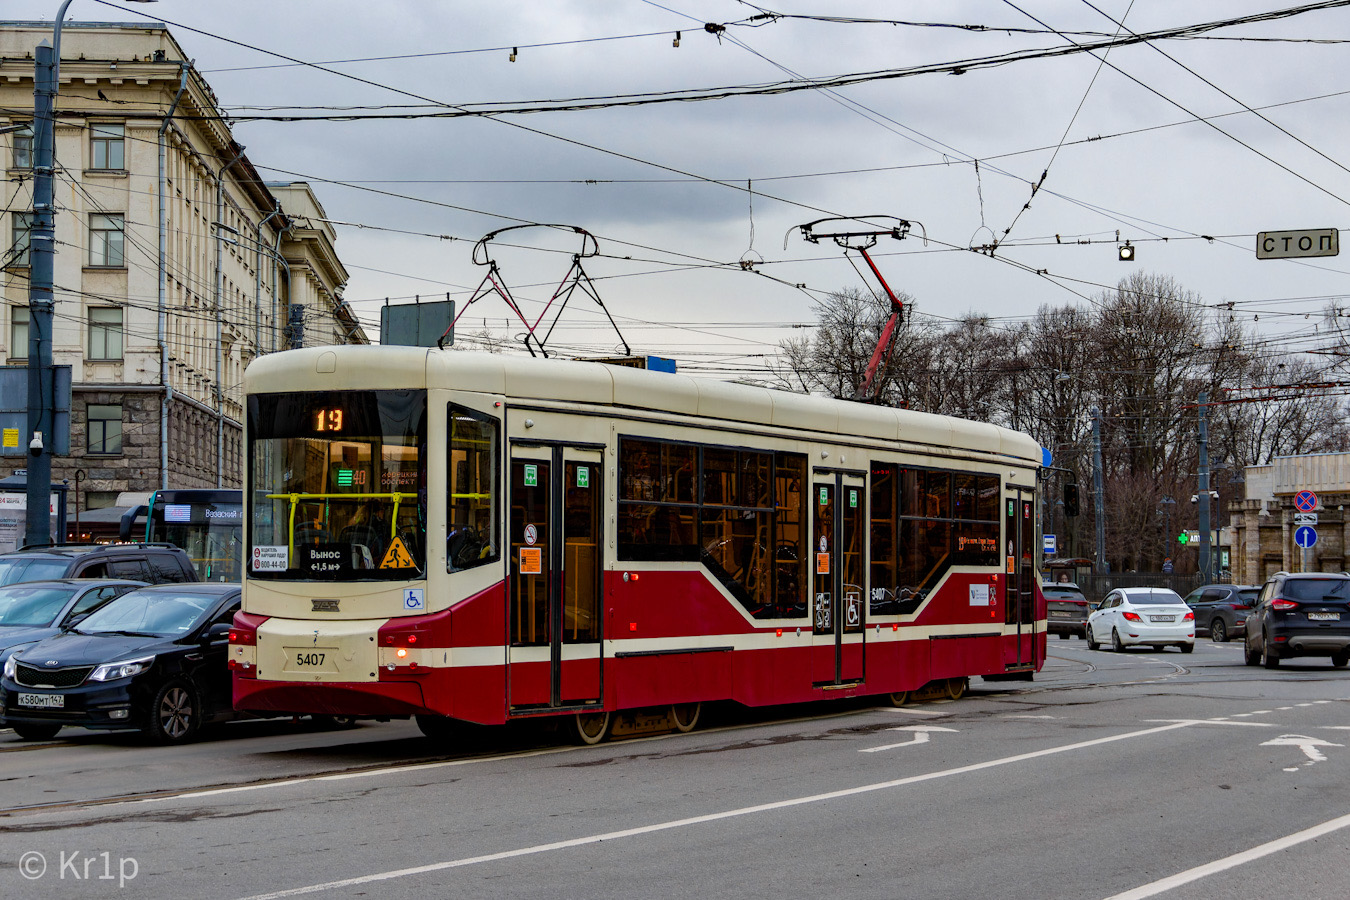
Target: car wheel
x=1218 y=632
x=1252 y=656
x=35 y=731
x=174 y=715
x=1340 y=659
x=1116 y=643
x=334 y=722
x=1268 y=659
x=1087 y=633
x=1186 y=648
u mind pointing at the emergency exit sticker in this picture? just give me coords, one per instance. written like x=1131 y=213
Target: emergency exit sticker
x=531 y=476
x=853 y=499
x=583 y=476
x=824 y=496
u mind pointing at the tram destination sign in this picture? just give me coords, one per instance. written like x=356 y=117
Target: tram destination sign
x=1293 y=244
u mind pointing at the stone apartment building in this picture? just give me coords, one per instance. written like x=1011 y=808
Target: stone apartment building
x=157 y=311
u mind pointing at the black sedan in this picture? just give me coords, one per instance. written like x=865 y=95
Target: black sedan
x=152 y=659
x=34 y=610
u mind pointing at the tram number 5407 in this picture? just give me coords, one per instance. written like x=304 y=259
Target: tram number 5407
x=309 y=659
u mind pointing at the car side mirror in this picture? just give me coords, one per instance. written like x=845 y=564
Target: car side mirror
x=217 y=633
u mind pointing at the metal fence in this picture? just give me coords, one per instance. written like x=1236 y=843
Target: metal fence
x=1097 y=586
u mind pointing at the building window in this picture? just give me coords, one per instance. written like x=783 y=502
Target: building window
x=18 y=334
x=23 y=233
x=106 y=240
x=106 y=146
x=105 y=333
x=105 y=428
x=23 y=148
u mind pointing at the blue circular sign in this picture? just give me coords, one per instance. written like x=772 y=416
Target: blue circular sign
x=1305 y=536
x=1306 y=501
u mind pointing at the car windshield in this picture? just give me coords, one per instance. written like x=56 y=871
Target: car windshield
x=1317 y=589
x=32 y=606
x=164 y=613
x=1059 y=593
x=1155 y=598
x=14 y=569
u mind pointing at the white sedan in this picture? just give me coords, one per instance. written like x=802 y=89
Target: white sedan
x=1128 y=617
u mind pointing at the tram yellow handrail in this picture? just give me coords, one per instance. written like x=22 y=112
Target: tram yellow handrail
x=296 y=499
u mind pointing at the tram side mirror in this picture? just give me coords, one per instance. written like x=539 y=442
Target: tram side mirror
x=1071 y=500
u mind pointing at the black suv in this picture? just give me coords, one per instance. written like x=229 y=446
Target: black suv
x=151 y=563
x=1304 y=614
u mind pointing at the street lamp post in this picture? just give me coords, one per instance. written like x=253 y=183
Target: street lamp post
x=1167 y=503
x=41 y=261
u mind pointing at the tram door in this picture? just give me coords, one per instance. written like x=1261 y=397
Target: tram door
x=1019 y=605
x=838 y=590
x=553 y=657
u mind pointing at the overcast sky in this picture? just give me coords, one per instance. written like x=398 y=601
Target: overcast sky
x=701 y=194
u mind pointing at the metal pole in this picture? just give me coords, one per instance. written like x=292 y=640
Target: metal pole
x=41 y=260
x=1203 y=495
x=1098 y=492
x=162 y=330
x=219 y=300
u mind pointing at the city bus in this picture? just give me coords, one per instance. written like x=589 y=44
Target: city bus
x=207 y=523
x=466 y=537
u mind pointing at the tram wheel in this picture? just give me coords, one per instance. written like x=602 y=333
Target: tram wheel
x=956 y=687
x=591 y=728
x=899 y=698
x=438 y=728
x=685 y=716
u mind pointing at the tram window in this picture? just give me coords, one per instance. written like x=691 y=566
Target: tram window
x=472 y=492
x=884 y=532
x=735 y=548
x=789 y=536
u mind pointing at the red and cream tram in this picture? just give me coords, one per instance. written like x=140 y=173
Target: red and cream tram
x=463 y=536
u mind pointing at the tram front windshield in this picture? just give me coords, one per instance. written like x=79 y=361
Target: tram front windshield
x=337 y=485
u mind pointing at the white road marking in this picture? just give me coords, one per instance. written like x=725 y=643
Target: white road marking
x=1229 y=862
x=905 y=710
x=1028 y=717
x=711 y=817
x=920 y=737
x=1216 y=722
x=1308 y=745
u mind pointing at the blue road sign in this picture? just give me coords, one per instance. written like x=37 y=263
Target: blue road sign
x=1306 y=501
x=1305 y=536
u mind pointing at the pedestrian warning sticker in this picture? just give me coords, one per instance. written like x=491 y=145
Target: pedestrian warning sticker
x=397 y=557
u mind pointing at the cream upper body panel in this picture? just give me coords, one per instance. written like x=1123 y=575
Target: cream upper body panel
x=524 y=380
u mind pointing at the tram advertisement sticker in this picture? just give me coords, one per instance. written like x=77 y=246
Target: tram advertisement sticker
x=979 y=595
x=531 y=476
x=822 y=563
x=531 y=560
x=270 y=559
x=583 y=476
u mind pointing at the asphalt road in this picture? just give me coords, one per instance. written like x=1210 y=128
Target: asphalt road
x=1111 y=776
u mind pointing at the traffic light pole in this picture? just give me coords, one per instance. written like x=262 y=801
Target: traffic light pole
x=1203 y=494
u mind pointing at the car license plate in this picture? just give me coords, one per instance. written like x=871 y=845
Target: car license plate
x=1055 y=612
x=1324 y=617
x=1162 y=618
x=43 y=701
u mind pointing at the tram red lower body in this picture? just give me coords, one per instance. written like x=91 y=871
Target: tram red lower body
x=703 y=662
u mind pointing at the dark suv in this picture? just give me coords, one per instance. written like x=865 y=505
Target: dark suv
x=1221 y=609
x=151 y=563
x=1300 y=615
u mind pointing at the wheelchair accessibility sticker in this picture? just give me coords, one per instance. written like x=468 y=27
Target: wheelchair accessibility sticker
x=414 y=599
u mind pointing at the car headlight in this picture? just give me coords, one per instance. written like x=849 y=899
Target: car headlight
x=114 y=671
x=11 y=666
